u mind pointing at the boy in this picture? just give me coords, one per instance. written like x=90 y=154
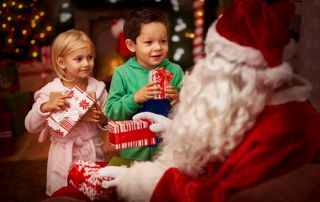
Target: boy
x=146 y=32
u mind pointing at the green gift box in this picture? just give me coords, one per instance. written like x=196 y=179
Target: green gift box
x=118 y=161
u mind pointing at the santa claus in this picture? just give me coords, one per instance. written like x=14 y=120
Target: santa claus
x=243 y=115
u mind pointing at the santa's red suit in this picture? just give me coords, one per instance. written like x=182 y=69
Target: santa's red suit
x=284 y=137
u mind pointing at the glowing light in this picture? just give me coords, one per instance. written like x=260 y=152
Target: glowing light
x=13 y=3
x=24 y=32
x=17 y=50
x=10 y=40
x=48 y=28
x=41 y=13
x=34 y=54
x=4 y=25
x=36 y=17
x=4 y=5
x=32 y=41
x=9 y=18
x=20 y=6
x=65 y=5
x=33 y=24
x=175 y=38
x=189 y=35
x=178 y=54
x=200 y=13
x=42 y=35
x=64 y=17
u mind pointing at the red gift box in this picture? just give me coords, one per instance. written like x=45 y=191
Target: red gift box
x=84 y=176
x=163 y=78
x=63 y=121
x=130 y=133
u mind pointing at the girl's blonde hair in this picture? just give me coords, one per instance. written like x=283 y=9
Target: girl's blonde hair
x=67 y=42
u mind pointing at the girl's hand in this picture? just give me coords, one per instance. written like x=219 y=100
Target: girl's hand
x=95 y=115
x=172 y=94
x=147 y=92
x=56 y=104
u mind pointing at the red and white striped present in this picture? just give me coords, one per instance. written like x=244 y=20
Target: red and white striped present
x=163 y=78
x=84 y=176
x=131 y=133
x=63 y=121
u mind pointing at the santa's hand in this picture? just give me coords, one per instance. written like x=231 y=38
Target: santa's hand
x=161 y=123
x=114 y=172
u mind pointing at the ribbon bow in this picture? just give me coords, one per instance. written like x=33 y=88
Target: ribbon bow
x=71 y=113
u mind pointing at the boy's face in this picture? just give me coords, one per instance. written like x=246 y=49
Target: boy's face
x=151 y=45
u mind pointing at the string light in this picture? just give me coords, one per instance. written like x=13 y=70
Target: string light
x=34 y=54
x=42 y=35
x=48 y=28
x=4 y=5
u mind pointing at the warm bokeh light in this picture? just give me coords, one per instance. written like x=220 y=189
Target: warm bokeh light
x=10 y=40
x=33 y=41
x=4 y=25
x=34 y=54
x=24 y=32
x=42 y=35
x=17 y=50
x=189 y=35
x=49 y=28
x=41 y=13
x=20 y=6
x=4 y=5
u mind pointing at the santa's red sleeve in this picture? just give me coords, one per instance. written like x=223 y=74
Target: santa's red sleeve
x=284 y=137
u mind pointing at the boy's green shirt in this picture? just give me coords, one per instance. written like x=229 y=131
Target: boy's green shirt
x=127 y=79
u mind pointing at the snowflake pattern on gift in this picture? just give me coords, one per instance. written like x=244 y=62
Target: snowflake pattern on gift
x=84 y=104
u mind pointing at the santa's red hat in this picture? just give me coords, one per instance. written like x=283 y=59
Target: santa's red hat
x=254 y=32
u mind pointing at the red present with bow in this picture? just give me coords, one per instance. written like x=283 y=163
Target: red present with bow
x=63 y=121
x=130 y=133
x=85 y=177
x=163 y=78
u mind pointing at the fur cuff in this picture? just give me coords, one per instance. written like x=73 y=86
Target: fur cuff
x=231 y=50
x=276 y=76
x=140 y=181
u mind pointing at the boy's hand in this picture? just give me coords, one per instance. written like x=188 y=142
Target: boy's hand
x=147 y=92
x=58 y=103
x=172 y=94
x=95 y=115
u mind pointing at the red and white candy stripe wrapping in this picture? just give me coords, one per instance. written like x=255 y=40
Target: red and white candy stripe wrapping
x=85 y=177
x=130 y=133
x=63 y=121
x=197 y=49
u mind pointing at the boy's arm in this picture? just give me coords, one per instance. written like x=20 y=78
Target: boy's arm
x=120 y=104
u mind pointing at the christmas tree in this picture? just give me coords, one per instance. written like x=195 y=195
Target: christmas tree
x=25 y=27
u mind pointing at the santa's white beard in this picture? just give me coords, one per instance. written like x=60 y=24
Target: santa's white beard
x=219 y=101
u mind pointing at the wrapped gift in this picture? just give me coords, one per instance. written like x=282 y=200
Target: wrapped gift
x=85 y=177
x=63 y=121
x=163 y=78
x=55 y=94
x=130 y=133
x=118 y=161
x=33 y=75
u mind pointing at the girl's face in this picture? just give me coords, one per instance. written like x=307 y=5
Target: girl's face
x=78 y=64
x=151 y=45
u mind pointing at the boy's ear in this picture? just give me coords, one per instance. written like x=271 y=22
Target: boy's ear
x=60 y=62
x=130 y=45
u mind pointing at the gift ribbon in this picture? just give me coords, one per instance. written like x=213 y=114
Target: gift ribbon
x=71 y=113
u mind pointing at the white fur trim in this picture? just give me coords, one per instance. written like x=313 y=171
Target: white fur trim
x=117 y=28
x=139 y=181
x=299 y=93
x=276 y=76
x=231 y=50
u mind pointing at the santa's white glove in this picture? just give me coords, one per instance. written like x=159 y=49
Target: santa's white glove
x=161 y=123
x=114 y=172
